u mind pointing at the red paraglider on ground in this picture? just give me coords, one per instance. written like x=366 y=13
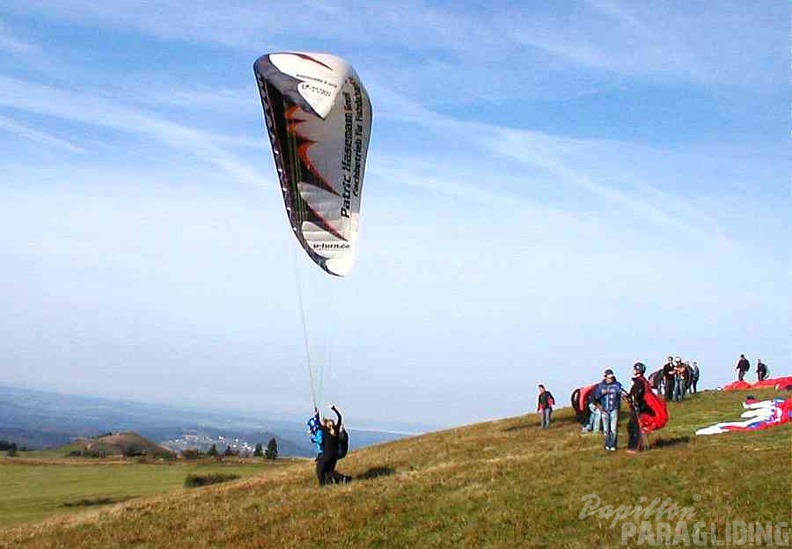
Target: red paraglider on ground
x=778 y=383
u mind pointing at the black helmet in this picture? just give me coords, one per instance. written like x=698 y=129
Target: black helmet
x=640 y=366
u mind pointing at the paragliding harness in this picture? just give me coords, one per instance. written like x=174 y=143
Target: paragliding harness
x=581 y=398
x=581 y=415
x=653 y=415
x=343 y=443
x=343 y=448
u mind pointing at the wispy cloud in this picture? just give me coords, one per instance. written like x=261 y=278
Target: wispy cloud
x=207 y=99
x=95 y=111
x=465 y=49
x=249 y=24
x=37 y=136
x=609 y=37
x=641 y=204
x=564 y=160
x=561 y=159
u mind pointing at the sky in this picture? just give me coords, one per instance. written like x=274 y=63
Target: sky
x=552 y=188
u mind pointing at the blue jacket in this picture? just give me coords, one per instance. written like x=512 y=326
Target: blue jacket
x=608 y=395
x=316 y=431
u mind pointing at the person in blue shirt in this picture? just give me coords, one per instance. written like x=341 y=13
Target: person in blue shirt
x=331 y=445
x=608 y=394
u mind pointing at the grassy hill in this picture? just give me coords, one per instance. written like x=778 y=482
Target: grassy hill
x=119 y=444
x=500 y=484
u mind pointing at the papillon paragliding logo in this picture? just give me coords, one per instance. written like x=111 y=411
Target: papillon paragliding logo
x=662 y=522
x=318 y=117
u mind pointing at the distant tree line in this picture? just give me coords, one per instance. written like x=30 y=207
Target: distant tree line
x=271 y=452
x=272 y=449
x=9 y=447
x=89 y=452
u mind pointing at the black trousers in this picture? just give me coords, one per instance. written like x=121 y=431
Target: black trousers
x=668 y=387
x=634 y=432
x=325 y=469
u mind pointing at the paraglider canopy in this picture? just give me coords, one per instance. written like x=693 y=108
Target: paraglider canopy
x=318 y=117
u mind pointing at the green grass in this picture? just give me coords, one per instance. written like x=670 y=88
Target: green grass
x=40 y=485
x=500 y=484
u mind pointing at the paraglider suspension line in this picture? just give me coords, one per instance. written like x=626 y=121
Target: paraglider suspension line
x=304 y=330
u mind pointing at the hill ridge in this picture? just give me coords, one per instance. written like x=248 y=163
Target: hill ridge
x=123 y=443
x=505 y=483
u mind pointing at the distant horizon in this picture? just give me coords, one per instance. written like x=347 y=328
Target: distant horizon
x=562 y=401
x=232 y=412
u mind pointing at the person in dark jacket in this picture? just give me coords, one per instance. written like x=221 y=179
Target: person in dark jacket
x=761 y=370
x=694 y=377
x=608 y=395
x=545 y=405
x=742 y=367
x=636 y=441
x=325 y=434
x=668 y=378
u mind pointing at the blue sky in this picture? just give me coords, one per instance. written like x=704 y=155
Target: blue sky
x=551 y=189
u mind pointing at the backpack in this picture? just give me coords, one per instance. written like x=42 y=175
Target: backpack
x=343 y=443
x=575 y=400
x=580 y=415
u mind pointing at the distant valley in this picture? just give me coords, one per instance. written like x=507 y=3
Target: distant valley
x=39 y=419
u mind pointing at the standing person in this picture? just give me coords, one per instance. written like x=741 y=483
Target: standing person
x=761 y=370
x=680 y=379
x=636 y=397
x=694 y=377
x=545 y=405
x=742 y=366
x=688 y=377
x=668 y=378
x=608 y=395
x=325 y=434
